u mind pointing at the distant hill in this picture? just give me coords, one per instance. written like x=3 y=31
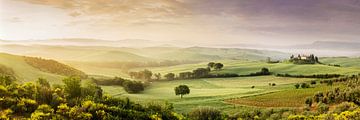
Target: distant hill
x=74 y=53
x=111 y=54
x=23 y=71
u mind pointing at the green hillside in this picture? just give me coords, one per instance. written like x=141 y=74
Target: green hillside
x=25 y=72
x=342 y=61
x=246 y=67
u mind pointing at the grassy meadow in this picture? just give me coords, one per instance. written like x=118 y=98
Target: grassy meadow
x=225 y=93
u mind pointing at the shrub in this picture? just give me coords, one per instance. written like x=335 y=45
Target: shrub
x=322 y=107
x=297 y=85
x=345 y=106
x=205 y=113
x=313 y=82
x=305 y=85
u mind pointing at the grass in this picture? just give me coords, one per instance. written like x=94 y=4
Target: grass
x=287 y=98
x=216 y=92
x=342 y=61
x=24 y=72
x=206 y=92
x=246 y=67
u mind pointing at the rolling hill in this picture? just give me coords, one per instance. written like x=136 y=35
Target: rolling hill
x=23 y=71
x=104 y=54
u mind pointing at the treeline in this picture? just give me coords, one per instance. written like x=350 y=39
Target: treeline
x=130 y=86
x=52 y=66
x=263 y=71
x=323 y=76
x=41 y=101
x=341 y=79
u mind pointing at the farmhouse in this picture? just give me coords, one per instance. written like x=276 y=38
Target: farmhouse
x=304 y=59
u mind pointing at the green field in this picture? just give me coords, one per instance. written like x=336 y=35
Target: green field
x=24 y=72
x=342 y=61
x=207 y=92
x=221 y=93
x=246 y=67
x=217 y=92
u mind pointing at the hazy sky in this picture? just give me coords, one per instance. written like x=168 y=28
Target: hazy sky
x=195 y=21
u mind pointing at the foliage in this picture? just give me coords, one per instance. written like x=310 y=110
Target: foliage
x=64 y=104
x=205 y=113
x=170 y=76
x=182 y=90
x=53 y=66
x=324 y=76
x=144 y=75
x=129 y=85
x=263 y=71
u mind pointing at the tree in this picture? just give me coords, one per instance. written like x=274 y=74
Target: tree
x=265 y=71
x=182 y=90
x=72 y=87
x=147 y=74
x=211 y=64
x=218 y=66
x=201 y=72
x=170 y=76
x=297 y=85
x=157 y=76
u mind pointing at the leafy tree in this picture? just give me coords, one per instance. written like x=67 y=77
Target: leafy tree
x=185 y=75
x=170 y=76
x=133 y=86
x=182 y=90
x=218 y=66
x=72 y=87
x=201 y=72
x=211 y=64
x=147 y=74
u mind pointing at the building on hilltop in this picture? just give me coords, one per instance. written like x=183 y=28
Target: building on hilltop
x=304 y=59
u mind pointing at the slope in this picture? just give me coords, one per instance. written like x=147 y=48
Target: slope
x=25 y=72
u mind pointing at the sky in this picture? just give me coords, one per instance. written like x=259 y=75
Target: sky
x=274 y=22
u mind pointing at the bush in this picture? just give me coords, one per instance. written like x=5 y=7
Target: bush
x=297 y=85
x=133 y=86
x=322 y=107
x=313 y=82
x=205 y=113
x=305 y=85
x=345 y=106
